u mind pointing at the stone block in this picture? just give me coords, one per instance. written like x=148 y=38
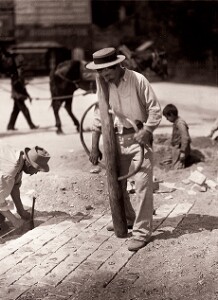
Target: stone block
x=197 y=177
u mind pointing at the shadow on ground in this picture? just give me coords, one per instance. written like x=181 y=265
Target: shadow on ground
x=17 y=132
x=193 y=223
x=7 y=232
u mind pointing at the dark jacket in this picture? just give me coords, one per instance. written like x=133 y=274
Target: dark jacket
x=180 y=136
x=19 y=92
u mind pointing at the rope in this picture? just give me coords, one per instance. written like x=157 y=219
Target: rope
x=88 y=151
x=47 y=98
x=37 y=87
x=75 y=82
x=35 y=83
x=68 y=80
x=53 y=98
x=62 y=97
x=5 y=89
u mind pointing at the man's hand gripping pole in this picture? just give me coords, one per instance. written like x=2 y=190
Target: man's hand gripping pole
x=122 y=117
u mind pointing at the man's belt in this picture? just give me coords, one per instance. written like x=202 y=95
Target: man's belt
x=125 y=130
x=130 y=130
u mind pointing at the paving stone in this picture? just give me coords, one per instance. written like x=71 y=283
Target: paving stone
x=181 y=209
x=59 y=273
x=77 y=260
x=55 y=297
x=176 y=216
x=89 y=246
x=13 y=246
x=78 y=277
x=7 y=263
x=3 y=282
x=35 y=275
x=90 y=264
x=104 y=231
x=100 y=223
x=45 y=263
x=71 y=232
x=17 y=272
x=99 y=238
x=100 y=255
x=112 y=244
x=39 y=256
x=125 y=277
x=56 y=257
x=93 y=288
x=161 y=214
x=67 y=289
x=79 y=256
x=37 y=291
x=12 y=292
x=71 y=246
x=57 y=243
x=116 y=262
x=82 y=238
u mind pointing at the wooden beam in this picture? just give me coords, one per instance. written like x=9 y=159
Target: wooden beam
x=111 y=162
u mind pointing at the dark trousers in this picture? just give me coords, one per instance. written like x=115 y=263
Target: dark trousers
x=20 y=106
x=2 y=218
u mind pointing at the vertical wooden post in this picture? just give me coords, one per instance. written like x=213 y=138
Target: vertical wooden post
x=111 y=161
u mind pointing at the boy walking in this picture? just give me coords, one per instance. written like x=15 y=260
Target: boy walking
x=19 y=95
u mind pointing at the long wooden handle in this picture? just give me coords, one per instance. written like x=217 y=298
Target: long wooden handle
x=32 y=212
x=33 y=208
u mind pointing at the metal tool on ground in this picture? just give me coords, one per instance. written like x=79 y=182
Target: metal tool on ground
x=32 y=225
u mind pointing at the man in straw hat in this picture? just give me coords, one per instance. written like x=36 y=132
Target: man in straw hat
x=131 y=95
x=12 y=165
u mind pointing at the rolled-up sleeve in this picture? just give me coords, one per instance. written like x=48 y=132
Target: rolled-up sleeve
x=96 y=125
x=101 y=86
x=6 y=185
x=152 y=107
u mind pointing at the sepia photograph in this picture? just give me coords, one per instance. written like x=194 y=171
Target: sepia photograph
x=108 y=149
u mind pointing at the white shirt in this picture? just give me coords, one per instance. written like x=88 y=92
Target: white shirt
x=135 y=99
x=11 y=164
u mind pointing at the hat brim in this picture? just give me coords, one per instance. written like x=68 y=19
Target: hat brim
x=44 y=168
x=93 y=66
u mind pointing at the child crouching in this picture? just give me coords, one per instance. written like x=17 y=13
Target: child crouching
x=180 y=140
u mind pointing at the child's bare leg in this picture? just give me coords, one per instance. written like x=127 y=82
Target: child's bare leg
x=14 y=220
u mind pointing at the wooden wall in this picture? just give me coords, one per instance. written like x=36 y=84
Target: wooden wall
x=52 y=12
x=6 y=20
x=67 y=22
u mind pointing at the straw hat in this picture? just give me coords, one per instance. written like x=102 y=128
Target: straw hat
x=104 y=58
x=38 y=158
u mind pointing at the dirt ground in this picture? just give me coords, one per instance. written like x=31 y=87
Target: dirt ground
x=76 y=189
x=180 y=263
x=184 y=265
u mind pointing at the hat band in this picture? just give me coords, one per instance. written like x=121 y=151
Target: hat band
x=103 y=60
